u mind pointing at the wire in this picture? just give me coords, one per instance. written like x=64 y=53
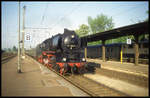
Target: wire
x=126 y=11
x=65 y=16
x=44 y=14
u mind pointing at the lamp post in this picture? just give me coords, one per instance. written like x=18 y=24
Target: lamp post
x=19 y=65
x=23 y=33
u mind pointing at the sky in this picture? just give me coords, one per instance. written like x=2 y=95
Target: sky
x=55 y=16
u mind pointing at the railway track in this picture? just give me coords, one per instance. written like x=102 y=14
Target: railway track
x=91 y=87
x=95 y=88
x=7 y=58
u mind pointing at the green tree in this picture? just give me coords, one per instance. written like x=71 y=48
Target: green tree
x=99 y=24
x=123 y=39
x=9 y=49
x=5 y=49
x=143 y=36
x=148 y=17
x=95 y=43
x=83 y=30
x=14 y=48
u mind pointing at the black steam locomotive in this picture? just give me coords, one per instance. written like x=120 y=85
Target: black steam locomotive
x=63 y=52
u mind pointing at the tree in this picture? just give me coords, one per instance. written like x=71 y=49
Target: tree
x=83 y=30
x=148 y=17
x=5 y=49
x=14 y=48
x=9 y=49
x=143 y=36
x=99 y=24
x=124 y=38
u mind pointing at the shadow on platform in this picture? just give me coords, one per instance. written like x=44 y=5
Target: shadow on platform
x=31 y=71
x=91 y=67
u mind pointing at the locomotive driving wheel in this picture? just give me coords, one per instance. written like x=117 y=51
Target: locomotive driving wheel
x=81 y=70
x=56 y=67
x=62 y=71
x=72 y=71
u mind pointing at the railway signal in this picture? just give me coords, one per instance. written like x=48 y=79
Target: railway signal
x=23 y=33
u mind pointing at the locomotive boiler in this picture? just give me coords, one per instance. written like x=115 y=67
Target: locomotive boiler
x=63 y=52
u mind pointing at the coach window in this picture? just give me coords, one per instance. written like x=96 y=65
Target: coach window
x=141 y=45
x=125 y=46
x=107 y=49
x=145 y=45
x=131 y=46
x=111 y=49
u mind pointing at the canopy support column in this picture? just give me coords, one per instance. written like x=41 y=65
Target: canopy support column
x=103 y=50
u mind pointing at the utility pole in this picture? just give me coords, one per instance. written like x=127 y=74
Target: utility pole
x=23 y=33
x=19 y=65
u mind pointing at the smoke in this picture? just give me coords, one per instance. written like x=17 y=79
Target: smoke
x=65 y=23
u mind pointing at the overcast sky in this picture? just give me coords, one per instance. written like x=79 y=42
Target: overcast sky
x=59 y=15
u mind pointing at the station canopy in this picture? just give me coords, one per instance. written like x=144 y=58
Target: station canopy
x=135 y=29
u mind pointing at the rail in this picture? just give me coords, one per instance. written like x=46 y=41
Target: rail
x=91 y=87
x=4 y=59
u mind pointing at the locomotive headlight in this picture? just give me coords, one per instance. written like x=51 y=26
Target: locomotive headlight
x=83 y=59
x=64 y=59
x=72 y=36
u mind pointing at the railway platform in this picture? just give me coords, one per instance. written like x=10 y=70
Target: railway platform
x=130 y=68
x=127 y=71
x=35 y=80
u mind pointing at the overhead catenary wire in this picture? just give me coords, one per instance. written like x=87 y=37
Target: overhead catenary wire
x=44 y=13
x=43 y=17
x=53 y=25
x=126 y=11
x=65 y=16
x=43 y=20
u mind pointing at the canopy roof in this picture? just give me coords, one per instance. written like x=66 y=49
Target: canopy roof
x=135 y=29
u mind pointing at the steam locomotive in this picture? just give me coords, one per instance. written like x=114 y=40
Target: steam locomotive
x=63 y=52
